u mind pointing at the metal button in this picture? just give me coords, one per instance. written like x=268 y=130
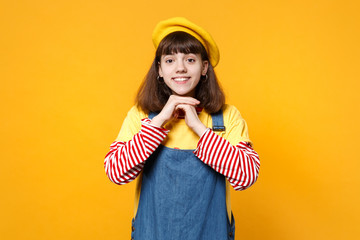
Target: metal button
x=132 y=228
x=230 y=234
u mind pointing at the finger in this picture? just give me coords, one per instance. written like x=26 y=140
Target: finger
x=184 y=107
x=176 y=114
x=187 y=100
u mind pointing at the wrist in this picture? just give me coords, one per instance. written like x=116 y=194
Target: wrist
x=157 y=122
x=200 y=129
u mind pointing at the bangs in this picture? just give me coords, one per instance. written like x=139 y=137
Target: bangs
x=181 y=42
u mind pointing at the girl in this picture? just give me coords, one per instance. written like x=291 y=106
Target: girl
x=184 y=142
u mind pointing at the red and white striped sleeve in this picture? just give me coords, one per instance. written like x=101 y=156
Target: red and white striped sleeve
x=125 y=160
x=240 y=164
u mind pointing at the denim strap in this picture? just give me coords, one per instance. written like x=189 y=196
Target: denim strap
x=218 y=121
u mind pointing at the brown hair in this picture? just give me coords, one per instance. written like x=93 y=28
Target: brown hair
x=153 y=93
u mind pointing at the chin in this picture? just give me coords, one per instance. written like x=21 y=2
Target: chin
x=184 y=93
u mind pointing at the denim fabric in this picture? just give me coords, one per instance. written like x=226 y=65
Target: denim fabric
x=181 y=199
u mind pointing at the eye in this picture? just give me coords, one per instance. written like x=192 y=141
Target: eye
x=191 y=60
x=168 y=60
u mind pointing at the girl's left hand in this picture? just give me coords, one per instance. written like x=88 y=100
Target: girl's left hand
x=192 y=119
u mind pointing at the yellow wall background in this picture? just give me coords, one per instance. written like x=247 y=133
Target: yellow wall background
x=69 y=72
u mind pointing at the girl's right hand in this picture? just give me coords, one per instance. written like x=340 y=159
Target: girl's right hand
x=167 y=113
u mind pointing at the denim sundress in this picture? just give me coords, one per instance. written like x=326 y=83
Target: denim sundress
x=182 y=198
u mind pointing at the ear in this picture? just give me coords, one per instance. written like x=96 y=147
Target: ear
x=160 y=71
x=205 y=67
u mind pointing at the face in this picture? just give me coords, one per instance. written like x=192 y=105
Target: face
x=182 y=72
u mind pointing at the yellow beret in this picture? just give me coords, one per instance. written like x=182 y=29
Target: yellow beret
x=171 y=25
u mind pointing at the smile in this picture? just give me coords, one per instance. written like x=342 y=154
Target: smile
x=181 y=79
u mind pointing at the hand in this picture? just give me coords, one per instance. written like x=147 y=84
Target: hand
x=169 y=110
x=192 y=119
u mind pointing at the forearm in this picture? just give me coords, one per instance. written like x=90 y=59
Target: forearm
x=239 y=164
x=125 y=160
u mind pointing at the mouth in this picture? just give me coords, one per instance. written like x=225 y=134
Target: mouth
x=181 y=79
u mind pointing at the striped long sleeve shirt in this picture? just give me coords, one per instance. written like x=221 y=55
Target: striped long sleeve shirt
x=239 y=164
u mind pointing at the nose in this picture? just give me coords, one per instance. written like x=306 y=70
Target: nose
x=180 y=67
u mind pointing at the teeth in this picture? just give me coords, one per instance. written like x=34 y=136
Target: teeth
x=180 y=79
